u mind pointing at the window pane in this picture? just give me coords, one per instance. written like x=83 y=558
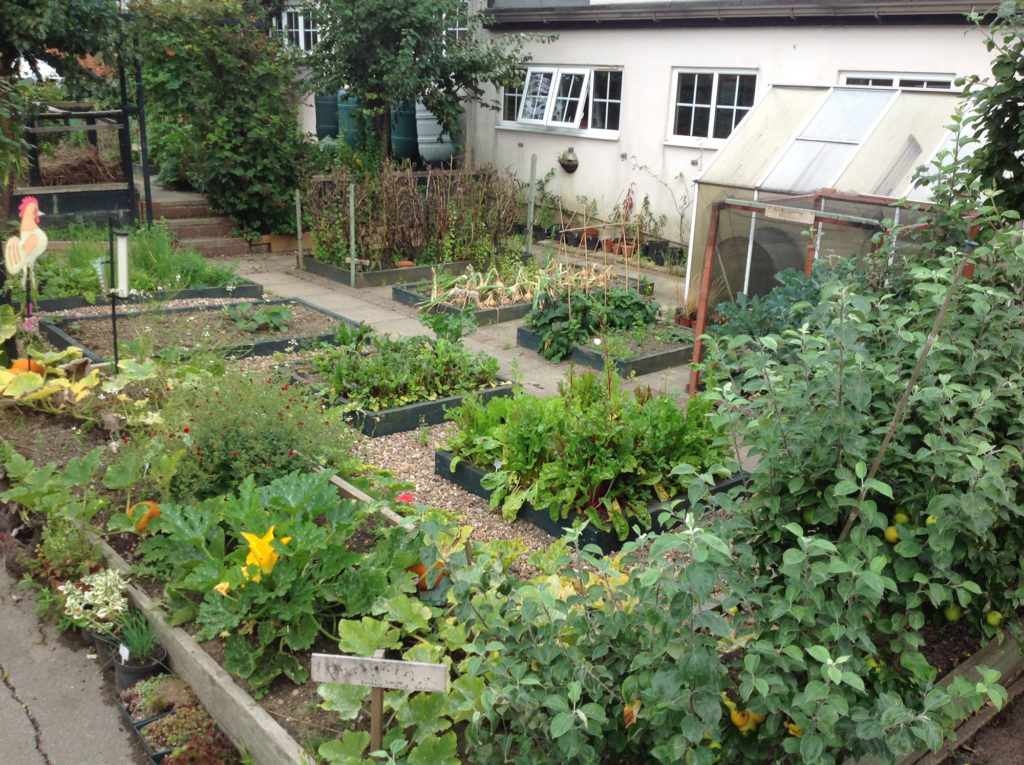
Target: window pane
x=567 y=99
x=693 y=102
x=735 y=97
x=292 y=23
x=607 y=99
x=535 y=99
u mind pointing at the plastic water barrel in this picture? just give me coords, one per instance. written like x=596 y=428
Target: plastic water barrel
x=326 y=116
x=403 y=132
x=351 y=127
x=427 y=131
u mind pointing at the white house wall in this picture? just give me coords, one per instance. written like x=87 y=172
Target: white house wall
x=644 y=153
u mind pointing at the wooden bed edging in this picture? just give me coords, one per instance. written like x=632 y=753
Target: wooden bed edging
x=246 y=723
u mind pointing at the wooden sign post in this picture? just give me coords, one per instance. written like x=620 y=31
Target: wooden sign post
x=378 y=673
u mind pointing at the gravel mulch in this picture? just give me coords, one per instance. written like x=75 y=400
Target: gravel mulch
x=410 y=456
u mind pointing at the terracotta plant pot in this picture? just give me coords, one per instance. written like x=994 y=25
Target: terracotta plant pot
x=405 y=264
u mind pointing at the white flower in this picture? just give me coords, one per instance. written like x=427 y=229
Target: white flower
x=597 y=341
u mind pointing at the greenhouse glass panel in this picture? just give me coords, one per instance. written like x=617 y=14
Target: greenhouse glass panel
x=847 y=115
x=809 y=165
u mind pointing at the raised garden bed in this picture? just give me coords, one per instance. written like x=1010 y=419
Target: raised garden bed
x=175 y=327
x=409 y=295
x=469 y=477
x=595 y=359
x=412 y=416
x=382 y=278
x=244 y=290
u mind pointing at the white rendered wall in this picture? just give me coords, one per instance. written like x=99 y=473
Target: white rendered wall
x=663 y=166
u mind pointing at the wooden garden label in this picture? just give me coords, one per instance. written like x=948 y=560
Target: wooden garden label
x=379 y=673
x=792 y=214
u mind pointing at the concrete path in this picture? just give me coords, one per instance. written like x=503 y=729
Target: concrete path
x=56 y=704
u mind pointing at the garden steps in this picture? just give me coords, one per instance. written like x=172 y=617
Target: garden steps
x=194 y=225
x=207 y=227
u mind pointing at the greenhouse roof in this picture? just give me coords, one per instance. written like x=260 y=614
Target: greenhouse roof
x=855 y=140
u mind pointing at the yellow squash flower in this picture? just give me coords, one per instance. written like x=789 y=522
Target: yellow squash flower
x=261 y=553
x=223 y=588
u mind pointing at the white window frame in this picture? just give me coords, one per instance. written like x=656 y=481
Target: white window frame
x=679 y=139
x=547 y=119
x=900 y=80
x=306 y=28
x=552 y=99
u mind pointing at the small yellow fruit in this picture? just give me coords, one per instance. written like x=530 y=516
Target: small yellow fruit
x=931 y=520
x=994 y=618
x=901 y=518
x=739 y=717
x=892 y=535
x=758 y=718
x=794 y=729
x=952 y=612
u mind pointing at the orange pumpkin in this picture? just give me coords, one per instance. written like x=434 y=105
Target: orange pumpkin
x=421 y=571
x=147 y=511
x=27 y=365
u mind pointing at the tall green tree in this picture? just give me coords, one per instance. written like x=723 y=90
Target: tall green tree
x=388 y=52
x=997 y=118
x=222 y=101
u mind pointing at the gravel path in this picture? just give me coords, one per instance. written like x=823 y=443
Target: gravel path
x=411 y=457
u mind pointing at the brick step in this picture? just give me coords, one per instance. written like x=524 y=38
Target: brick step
x=179 y=208
x=200 y=228
x=223 y=246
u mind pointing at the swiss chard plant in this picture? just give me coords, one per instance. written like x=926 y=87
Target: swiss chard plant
x=576 y=316
x=375 y=372
x=596 y=450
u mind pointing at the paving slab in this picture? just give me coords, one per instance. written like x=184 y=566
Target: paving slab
x=56 y=704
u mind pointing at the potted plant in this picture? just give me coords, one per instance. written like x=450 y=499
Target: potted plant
x=568 y=160
x=139 y=655
x=95 y=603
x=649 y=228
x=153 y=696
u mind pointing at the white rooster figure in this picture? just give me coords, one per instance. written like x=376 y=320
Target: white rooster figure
x=21 y=252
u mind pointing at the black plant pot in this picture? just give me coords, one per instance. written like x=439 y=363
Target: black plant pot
x=569 y=165
x=126 y=675
x=654 y=250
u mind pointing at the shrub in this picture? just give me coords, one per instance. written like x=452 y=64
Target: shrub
x=218 y=430
x=222 y=103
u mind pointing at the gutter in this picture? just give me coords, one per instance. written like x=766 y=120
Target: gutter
x=727 y=13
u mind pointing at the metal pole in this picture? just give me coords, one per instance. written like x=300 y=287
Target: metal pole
x=352 y=234
x=113 y=291
x=705 y=287
x=529 y=204
x=140 y=105
x=298 y=226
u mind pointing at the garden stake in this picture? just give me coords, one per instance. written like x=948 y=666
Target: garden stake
x=352 y=232
x=529 y=204
x=898 y=414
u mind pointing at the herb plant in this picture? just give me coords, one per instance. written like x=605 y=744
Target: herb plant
x=216 y=430
x=595 y=450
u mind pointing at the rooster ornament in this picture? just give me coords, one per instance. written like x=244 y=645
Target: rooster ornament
x=21 y=252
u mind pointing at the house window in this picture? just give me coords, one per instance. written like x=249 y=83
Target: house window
x=298 y=28
x=565 y=97
x=903 y=81
x=512 y=98
x=711 y=104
